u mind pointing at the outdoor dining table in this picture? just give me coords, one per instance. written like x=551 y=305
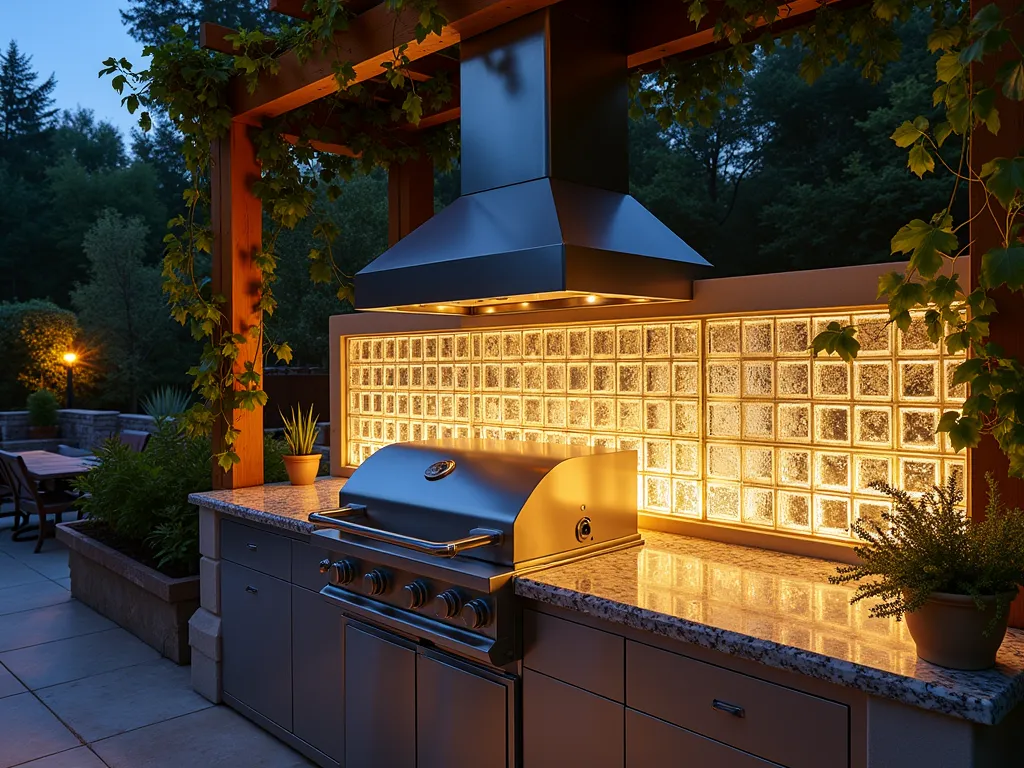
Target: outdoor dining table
x=46 y=466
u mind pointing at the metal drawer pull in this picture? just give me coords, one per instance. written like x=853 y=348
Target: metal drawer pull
x=252 y=590
x=729 y=709
x=251 y=547
x=478 y=537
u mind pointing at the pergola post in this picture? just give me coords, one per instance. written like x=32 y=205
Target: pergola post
x=410 y=196
x=236 y=216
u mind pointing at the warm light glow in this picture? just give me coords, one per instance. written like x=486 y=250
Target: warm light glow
x=70 y=358
x=525 y=304
x=591 y=299
x=489 y=309
x=441 y=307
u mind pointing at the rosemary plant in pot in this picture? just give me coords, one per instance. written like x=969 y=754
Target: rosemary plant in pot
x=301 y=460
x=953 y=578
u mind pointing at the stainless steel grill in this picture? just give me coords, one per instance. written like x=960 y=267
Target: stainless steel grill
x=430 y=534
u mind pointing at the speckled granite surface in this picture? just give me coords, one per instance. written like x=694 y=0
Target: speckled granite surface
x=776 y=609
x=279 y=504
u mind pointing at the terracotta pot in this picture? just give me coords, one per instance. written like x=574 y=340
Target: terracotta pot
x=950 y=630
x=43 y=433
x=302 y=469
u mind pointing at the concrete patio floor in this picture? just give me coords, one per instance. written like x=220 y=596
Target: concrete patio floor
x=77 y=691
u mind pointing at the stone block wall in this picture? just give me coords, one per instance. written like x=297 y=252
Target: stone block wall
x=87 y=429
x=13 y=425
x=136 y=421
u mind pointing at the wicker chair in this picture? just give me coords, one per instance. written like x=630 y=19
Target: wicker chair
x=30 y=499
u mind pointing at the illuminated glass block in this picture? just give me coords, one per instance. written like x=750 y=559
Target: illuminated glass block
x=723 y=379
x=533 y=411
x=462 y=431
x=686 y=339
x=603 y=413
x=354 y=399
x=416 y=428
x=629 y=378
x=831 y=379
x=511 y=345
x=821 y=323
x=389 y=404
x=476 y=375
x=956 y=393
x=757 y=379
x=578 y=438
x=871 y=510
x=579 y=377
x=430 y=347
x=831 y=516
x=602 y=377
x=366 y=376
x=353 y=351
x=871 y=469
x=461 y=347
x=445 y=431
x=430 y=406
x=723 y=502
x=874 y=333
x=686 y=498
x=354 y=373
x=832 y=423
x=446 y=374
x=915 y=339
x=533 y=344
x=478 y=408
x=629 y=341
x=389 y=350
x=366 y=428
x=492 y=408
x=758 y=337
x=402 y=404
x=378 y=403
x=554 y=411
x=723 y=337
x=554 y=343
x=658 y=494
x=378 y=429
x=579 y=413
x=462 y=377
x=873 y=380
x=533 y=436
x=478 y=433
x=917 y=428
x=533 y=377
x=378 y=376
x=793 y=335
x=579 y=342
x=656 y=378
x=919 y=380
x=511 y=375
x=554 y=377
x=658 y=455
x=919 y=475
x=758 y=421
x=685 y=458
x=492 y=346
x=656 y=341
x=832 y=471
x=511 y=409
x=367 y=403
x=758 y=465
x=723 y=461
x=759 y=506
x=403 y=376
x=657 y=416
x=446 y=348
x=403 y=431
x=603 y=441
x=602 y=342
x=685 y=416
x=630 y=415
x=795 y=467
x=794 y=421
x=511 y=434
x=364 y=350
x=389 y=377
x=416 y=348
x=376 y=349
x=476 y=345
x=723 y=420
x=492 y=375
x=462 y=407
x=955 y=471
x=686 y=379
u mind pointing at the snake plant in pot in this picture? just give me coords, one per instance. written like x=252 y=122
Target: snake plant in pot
x=953 y=578
x=301 y=460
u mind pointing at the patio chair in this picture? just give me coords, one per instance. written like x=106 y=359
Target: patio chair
x=7 y=496
x=29 y=498
x=135 y=439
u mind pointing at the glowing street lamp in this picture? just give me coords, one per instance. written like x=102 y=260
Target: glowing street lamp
x=69 y=361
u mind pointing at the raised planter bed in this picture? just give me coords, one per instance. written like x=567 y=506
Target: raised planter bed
x=153 y=607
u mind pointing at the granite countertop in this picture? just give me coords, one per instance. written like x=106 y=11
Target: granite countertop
x=756 y=604
x=778 y=610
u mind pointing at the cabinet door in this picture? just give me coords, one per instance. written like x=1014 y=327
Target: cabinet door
x=462 y=718
x=380 y=700
x=564 y=725
x=650 y=741
x=257 y=641
x=318 y=672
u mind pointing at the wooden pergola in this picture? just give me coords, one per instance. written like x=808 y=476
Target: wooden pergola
x=657 y=30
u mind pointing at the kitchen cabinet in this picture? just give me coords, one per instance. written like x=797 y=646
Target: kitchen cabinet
x=257 y=641
x=651 y=742
x=318 y=673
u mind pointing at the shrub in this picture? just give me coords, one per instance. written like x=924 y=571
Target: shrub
x=165 y=403
x=42 y=408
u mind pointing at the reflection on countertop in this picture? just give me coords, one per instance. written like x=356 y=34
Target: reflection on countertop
x=776 y=609
x=280 y=505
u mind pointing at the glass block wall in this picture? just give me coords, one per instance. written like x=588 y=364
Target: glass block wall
x=732 y=419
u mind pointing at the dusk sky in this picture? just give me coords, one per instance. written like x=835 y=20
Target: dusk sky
x=71 y=38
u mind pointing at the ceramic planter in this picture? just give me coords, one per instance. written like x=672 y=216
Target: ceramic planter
x=302 y=469
x=950 y=630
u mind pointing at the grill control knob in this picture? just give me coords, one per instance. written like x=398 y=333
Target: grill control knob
x=325 y=565
x=416 y=593
x=376 y=581
x=476 y=614
x=340 y=572
x=447 y=604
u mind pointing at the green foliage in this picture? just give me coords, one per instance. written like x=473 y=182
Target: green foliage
x=34 y=335
x=42 y=408
x=300 y=431
x=273 y=462
x=928 y=544
x=165 y=403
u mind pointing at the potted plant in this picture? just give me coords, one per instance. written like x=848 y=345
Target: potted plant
x=300 y=433
x=953 y=578
x=43 y=408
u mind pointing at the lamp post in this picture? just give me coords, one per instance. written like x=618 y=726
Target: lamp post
x=69 y=361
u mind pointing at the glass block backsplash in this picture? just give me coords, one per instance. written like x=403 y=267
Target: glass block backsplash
x=732 y=419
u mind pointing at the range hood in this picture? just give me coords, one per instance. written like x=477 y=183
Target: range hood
x=545 y=220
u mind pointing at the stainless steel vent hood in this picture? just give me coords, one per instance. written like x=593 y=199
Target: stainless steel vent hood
x=545 y=219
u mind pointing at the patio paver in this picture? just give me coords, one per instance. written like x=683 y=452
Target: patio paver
x=14 y=573
x=53 y=565
x=9 y=684
x=29 y=596
x=54 y=622
x=80 y=757
x=29 y=731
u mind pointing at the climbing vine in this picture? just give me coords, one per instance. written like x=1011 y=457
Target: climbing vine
x=190 y=85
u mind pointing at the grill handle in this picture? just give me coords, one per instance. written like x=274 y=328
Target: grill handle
x=478 y=537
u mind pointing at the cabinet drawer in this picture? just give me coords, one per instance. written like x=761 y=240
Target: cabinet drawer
x=576 y=654
x=653 y=742
x=306 y=565
x=788 y=727
x=256 y=549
